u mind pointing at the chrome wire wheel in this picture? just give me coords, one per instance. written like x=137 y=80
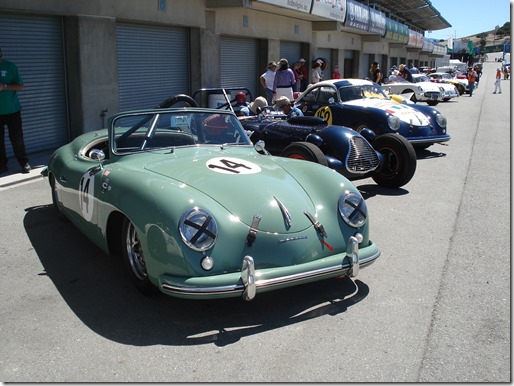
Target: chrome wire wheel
x=134 y=259
x=135 y=253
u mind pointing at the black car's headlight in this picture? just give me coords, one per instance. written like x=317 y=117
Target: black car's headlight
x=198 y=229
x=394 y=122
x=441 y=120
x=352 y=209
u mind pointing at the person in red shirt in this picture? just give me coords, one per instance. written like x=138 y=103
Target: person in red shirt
x=472 y=76
x=304 y=78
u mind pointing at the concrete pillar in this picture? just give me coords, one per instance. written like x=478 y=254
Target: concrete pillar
x=92 y=76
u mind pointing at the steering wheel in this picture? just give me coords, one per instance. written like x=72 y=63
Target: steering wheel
x=176 y=99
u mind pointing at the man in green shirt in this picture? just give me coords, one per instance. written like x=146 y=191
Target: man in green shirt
x=10 y=114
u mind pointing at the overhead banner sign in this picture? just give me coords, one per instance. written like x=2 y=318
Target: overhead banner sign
x=357 y=15
x=377 y=22
x=415 y=39
x=439 y=49
x=330 y=9
x=396 y=31
x=297 y=5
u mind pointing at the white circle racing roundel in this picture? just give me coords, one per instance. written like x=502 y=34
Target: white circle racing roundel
x=227 y=165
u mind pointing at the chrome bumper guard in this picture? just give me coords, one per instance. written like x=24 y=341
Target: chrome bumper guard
x=248 y=285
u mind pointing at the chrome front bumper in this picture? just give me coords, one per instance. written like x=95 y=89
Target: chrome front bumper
x=249 y=284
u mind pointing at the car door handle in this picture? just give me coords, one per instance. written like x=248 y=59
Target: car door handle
x=63 y=179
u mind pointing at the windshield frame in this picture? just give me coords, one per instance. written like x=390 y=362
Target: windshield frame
x=169 y=129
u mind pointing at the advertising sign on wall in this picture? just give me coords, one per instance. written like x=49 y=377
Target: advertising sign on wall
x=330 y=9
x=357 y=15
x=377 y=22
x=298 y=5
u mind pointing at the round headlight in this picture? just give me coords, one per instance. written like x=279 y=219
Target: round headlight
x=441 y=120
x=394 y=122
x=352 y=209
x=198 y=229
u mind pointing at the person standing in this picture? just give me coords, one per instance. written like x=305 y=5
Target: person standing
x=376 y=74
x=10 y=114
x=267 y=80
x=284 y=81
x=336 y=74
x=498 y=81
x=472 y=76
x=297 y=75
x=316 y=72
x=304 y=78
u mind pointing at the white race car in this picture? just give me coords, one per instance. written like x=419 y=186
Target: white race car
x=445 y=77
x=421 y=92
x=449 y=90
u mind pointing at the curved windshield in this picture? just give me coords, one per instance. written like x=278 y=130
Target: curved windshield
x=161 y=129
x=363 y=91
x=421 y=78
x=396 y=79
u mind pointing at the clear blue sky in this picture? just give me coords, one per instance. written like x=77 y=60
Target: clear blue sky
x=470 y=17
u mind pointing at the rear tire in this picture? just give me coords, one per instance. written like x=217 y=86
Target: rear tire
x=134 y=260
x=55 y=199
x=399 y=160
x=305 y=151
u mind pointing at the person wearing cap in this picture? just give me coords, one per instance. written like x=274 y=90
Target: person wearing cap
x=267 y=79
x=290 y=110
x=284 y=80
x=405 y=73
x=254 y=108
x=304 y=78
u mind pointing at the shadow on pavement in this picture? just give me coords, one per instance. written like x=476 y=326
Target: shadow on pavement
x=370 y=190
x=422 y=154
x=96 y=289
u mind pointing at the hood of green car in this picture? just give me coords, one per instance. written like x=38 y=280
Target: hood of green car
x=246 y=185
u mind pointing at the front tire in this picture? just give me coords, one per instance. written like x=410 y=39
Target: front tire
x=305 y=151
x=432 y=103
x=133 y=258
x=399 y=160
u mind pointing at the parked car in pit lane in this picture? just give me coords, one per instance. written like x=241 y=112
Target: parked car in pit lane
x=445 y=77
x=448 y=90
x=197 y=211
x=360 y=104
x=389 y=158
x=427 y=92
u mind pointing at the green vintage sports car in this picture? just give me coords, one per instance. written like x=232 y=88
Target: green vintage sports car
x=197 y=211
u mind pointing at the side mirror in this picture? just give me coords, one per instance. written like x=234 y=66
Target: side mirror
x=97 y=155
x=260 y=147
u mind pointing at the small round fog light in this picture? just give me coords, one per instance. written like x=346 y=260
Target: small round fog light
x=207 y=263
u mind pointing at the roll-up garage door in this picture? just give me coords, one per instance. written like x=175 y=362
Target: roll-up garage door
x=35 y=45
x=153 y=64
x=238 y=62
x=291 y=51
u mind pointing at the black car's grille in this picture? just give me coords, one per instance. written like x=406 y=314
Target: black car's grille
x=362 y=158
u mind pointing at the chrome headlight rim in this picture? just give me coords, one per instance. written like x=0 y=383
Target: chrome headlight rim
x=352 y=208
x=198 y=229
x=394 y=122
